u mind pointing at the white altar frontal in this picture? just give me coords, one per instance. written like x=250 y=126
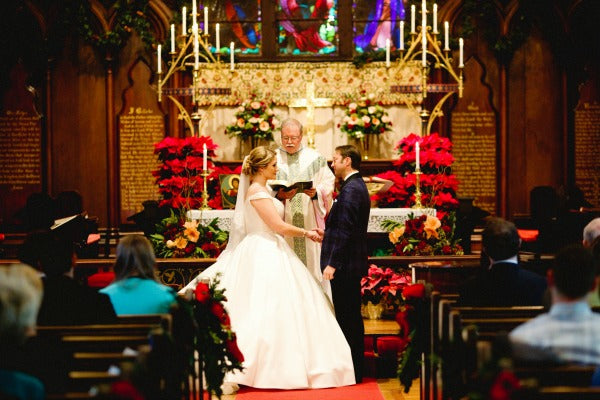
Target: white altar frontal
x=376 y=217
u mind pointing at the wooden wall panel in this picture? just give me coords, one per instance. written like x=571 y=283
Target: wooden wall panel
x=535 y=134
x=79 y=129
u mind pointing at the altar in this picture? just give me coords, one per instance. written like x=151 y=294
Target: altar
x=376 y=216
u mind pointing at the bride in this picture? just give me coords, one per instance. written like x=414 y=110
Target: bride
x=284 y=322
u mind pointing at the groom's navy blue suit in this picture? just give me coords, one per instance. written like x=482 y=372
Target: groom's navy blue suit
x=345 y=248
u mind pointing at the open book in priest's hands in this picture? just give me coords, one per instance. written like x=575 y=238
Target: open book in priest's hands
x=277 y=184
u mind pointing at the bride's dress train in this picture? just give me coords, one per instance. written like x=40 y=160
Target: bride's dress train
x=285 y=324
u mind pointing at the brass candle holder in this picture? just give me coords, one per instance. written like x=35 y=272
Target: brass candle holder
x=204 y=174
x=418 y=189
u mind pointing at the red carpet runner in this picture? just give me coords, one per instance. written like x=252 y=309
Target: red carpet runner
x=367 y=390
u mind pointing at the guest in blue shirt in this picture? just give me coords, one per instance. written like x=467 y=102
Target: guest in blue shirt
x=136 y=289
x=570 y=331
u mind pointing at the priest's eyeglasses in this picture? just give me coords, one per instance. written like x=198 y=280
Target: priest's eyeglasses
x=290 y=138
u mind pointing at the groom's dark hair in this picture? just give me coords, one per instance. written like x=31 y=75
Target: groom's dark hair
x=351 y=152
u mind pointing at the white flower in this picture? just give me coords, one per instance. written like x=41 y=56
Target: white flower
x=385 y=119
x=359 y=134
x=255 y=105
x=275 y=122
x=371 y=96
x=254 y=120
x=170 y=244
x=372 y=109
x=241 y=109
x=366 y=119
x=264 y=126
x=270 y=112
x=352 y=106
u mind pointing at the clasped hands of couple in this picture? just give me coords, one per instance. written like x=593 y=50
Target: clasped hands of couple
x=316 y=235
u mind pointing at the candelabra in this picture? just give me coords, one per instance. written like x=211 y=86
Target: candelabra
x=425 y=43
x=192 y=46
x=204 y=175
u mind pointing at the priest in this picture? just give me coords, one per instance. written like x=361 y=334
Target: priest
x=307 y=208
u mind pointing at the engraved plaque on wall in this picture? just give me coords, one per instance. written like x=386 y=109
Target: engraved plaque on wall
x=20 y=147
x=141 y=124
x=473 y=128
x=587 y=141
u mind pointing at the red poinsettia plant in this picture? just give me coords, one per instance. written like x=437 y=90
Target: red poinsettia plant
x=383 y=286
x=425 y=235
x=437 y=183
x=215 y=341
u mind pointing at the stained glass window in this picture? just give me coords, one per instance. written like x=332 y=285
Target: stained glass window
x=307 y=27
x=374 y=21
x=239 y=22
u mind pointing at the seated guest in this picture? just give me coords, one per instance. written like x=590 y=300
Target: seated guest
x=65 y=301
x=20 y=297
x=570 y=331
x=136 y=289
x=591 y=233
x=502 y=282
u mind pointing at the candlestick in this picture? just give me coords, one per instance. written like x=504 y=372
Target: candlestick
x=387 y=53
x=184 y=21
x=413 y=12
x=158 y=62
x=435 y=31
x=401 y=38
x=446 y=35
x=205 y=19
x=231 y=53
x=217 y=38
x=172 y=38
x=196 y=48
x=204 y=157
x=417 y=157
x=461 y=64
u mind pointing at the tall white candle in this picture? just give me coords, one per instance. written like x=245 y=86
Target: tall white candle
x=460 y=53
x=205 y=19
x=184 y=21
x=424 y=15
x=196 y=49
x=159 y=60
x=194 y=13
x=401 y=38
x=424 y=53
x=417 y=157
x=446 y=35
x=231 y=56
x=172 y=38
x=217 y=37
x=387 y=52
x=204 y=155
x=413 y=12
x=435 y=18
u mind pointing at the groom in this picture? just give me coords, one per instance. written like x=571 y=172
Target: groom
x=344 y=250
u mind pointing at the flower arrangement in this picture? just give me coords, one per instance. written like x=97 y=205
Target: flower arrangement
x=254 y=119
x=365 y=117
x=179 y=177
x=438 y=184
x=215 y=341
x=412 y=321
x=179 y=238
x=424 y=235
x=383 y=287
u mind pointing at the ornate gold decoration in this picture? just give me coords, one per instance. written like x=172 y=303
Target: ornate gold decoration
x=310 y=102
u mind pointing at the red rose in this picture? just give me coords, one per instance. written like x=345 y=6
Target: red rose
x=234 y=350
x=218 y=311
x=503 y=387
x=202 y=292
x=415 y=291
x=447 y=250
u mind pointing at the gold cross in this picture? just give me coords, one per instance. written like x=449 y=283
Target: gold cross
x=310 y=103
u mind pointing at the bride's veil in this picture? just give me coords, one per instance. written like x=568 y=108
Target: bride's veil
x=237 y=232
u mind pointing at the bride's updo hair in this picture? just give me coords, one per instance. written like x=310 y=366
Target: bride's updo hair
x=258 y=158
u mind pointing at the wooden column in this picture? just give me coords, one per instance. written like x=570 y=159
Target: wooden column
x=111 y=149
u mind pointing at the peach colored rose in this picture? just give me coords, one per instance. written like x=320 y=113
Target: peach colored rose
x=431 y=225
x=396 y=233
x=192 y=234
x=191 y=224
x=255 y=105
x=181 y=242
x=264 y=126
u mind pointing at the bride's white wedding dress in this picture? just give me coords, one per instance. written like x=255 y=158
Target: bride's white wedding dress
x=285 y=324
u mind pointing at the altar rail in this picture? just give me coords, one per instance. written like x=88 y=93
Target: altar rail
x=445 y=273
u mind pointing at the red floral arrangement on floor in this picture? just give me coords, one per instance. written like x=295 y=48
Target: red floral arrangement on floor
x=438 y=184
